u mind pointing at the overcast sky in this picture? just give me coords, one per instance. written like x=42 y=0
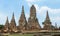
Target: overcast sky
x=7 y=7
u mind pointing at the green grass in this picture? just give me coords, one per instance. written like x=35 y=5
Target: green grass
x=21 y=35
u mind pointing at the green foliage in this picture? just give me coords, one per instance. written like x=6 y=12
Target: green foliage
x=1 y=26
x=21 y=35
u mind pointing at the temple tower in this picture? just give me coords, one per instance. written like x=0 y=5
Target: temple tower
x=13 y=27
x=6 y=26
x=47 y=23
x=22 y=21
x=33 y=21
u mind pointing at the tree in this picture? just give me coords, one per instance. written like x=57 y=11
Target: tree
x=1 y=26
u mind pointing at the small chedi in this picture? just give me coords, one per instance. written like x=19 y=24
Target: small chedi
x=31 y=25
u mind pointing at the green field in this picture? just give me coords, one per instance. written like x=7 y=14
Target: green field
x=20 y=34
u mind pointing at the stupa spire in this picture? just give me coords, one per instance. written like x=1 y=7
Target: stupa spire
x=22 y=20
x=7 y=22
x=22 y=13
x=13 y=16
x=13 y=24
x=6 y=26
x=47 y=22
x=33 y=21
x=47 y=17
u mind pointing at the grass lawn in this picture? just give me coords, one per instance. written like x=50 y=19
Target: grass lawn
x=21 y=35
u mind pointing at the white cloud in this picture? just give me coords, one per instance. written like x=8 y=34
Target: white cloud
x=27 y=16
x=45 y=8
x=30 y=2
x=57 y=18
x=54 y=11
x=41 y=10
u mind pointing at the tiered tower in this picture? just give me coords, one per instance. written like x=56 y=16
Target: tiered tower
x=22 y=21
x=6 y=26
x=33 y=21
x=47 y=23
x=13 y=27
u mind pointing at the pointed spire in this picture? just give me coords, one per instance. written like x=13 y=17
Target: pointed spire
x=33 y=11
x=23 y=9
x=47 y=23
x=47 y=18
x=6 y=26
x=22 y=20
x=22 y=17
x=13 y=24
x=13 y=16
x=13 y=20
x=32 y=6
x=22 y=13
x=7 y=22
